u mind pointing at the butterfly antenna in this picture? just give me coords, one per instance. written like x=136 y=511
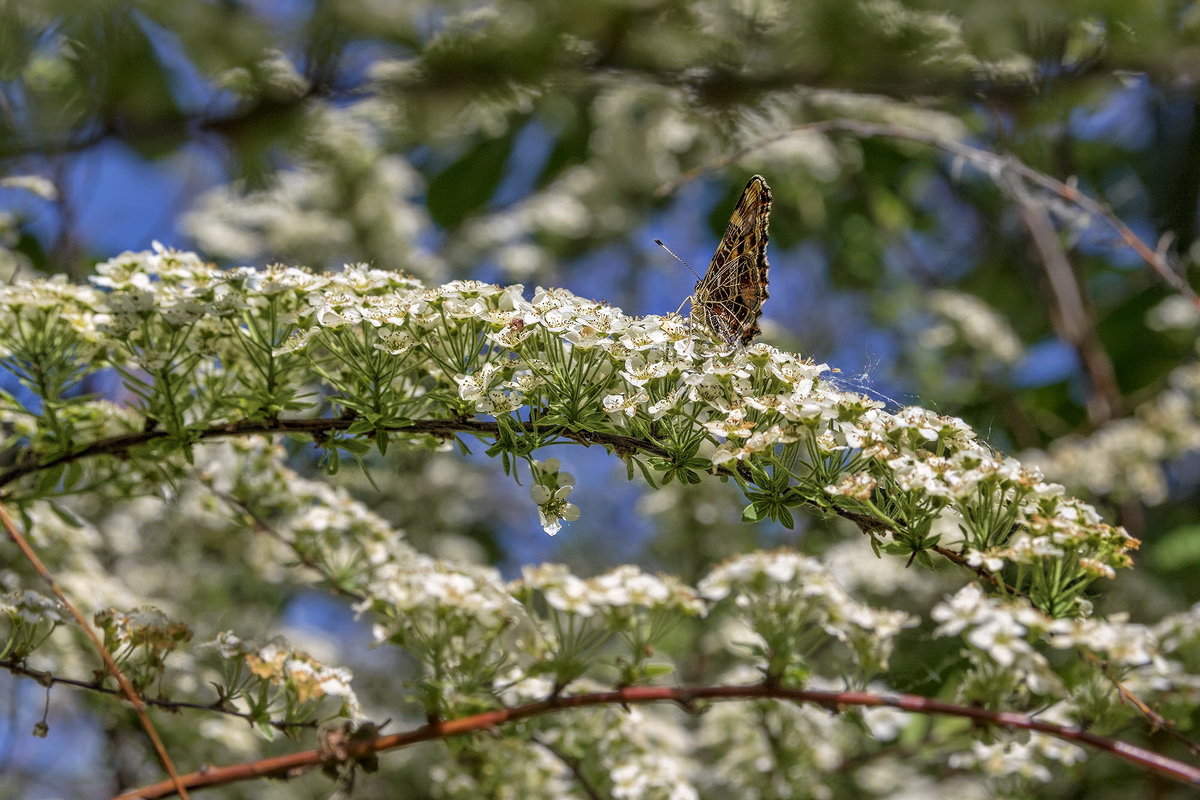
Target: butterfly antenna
x=687 y=299
x=677 y=258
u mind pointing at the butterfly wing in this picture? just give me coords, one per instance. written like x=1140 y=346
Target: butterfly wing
x=730 y=296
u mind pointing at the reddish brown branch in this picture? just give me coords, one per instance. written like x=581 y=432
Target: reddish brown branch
x=294 y=764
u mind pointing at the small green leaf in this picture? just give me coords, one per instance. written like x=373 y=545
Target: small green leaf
x=67 y=517
x=645 y=470
x=354 y=446
x=47 y=479
x=360 y=426
x=266 y=729
x=653 y=671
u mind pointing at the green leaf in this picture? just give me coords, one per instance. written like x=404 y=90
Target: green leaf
x=1177 y=549
x=785 y=517
x=645 y=470
x=466 y=185
x=73 y=475
x=653 y=671
x=68 y=518
x=47 y=479
x=360 y=426
x=354 y=446
x=266 y=729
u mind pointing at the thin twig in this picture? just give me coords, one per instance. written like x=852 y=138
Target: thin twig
x=1155 y=257
x=262 y=526
x=575 y=765
x=1073 y=320
x=47 y=678
x=127 y=689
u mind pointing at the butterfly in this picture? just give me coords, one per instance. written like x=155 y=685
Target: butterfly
x=728 y=300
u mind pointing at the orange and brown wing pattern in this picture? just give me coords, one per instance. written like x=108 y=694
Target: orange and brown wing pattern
x=729 y=298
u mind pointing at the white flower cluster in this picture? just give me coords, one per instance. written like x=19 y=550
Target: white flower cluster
x=615 y=594
x=32 y=608
x=304 y=213
x=422 y=599
x=999 y=634
x=297 y=676
x=784 y=591
x=443 y=613
x=965 y=318
x=27 y=618
x=644 y=752
x=1012 y=635
x=767 y=750
x=1015 y=758
x=1128 y=458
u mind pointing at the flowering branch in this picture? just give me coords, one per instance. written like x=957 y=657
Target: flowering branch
x=400 y=360
x=121 y=446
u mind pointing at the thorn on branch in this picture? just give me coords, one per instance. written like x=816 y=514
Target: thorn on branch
x=344 y=747
x=689 y=704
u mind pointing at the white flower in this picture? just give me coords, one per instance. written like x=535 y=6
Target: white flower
x=1000 y=636
x=624 y=404
x=395 y=342
x=859 y=486
x=960 y=611
x=553 y=507
x=472 y=387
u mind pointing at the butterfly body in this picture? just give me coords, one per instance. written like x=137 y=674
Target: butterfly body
x=728 y=300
